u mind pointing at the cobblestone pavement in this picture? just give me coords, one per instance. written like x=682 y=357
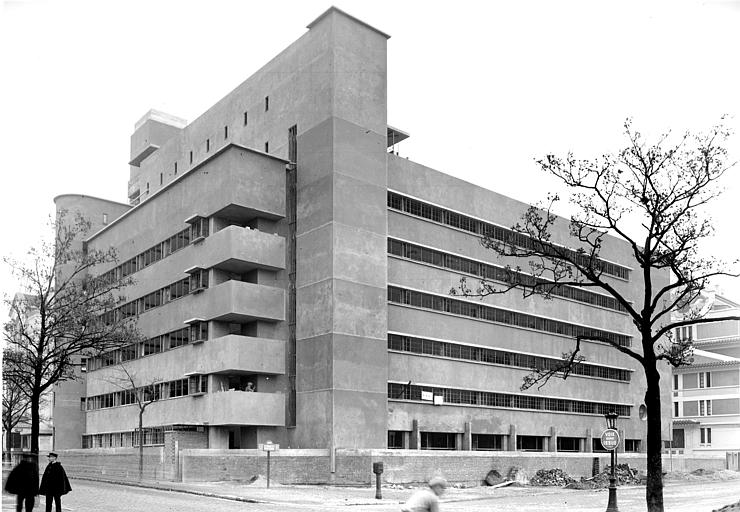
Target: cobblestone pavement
x=685 y=497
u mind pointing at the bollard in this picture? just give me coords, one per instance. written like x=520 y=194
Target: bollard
x=378 y=470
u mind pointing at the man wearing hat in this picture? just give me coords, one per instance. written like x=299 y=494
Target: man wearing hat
x=427 y=500
x=23 y=481
x=54 y=483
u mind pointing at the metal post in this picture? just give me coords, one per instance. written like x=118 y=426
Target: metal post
x=268 y=470
x=378 y=494
x=612 y=505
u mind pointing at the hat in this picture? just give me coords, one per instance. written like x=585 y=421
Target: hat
x=52 y=454
x=438 y=481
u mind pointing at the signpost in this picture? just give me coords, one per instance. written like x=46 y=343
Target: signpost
x=269 y=447
x=610 y=441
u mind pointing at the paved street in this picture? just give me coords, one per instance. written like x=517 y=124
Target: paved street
x=685 y=497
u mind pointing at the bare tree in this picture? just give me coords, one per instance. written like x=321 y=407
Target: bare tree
x=16 y=405
x=140 y=394
x=64 y=313
x=653 y=197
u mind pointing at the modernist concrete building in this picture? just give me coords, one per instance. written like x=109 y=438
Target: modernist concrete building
x=276 y=241
x=706 y=394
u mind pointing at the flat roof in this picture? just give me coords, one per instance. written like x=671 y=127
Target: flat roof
x=340 y=11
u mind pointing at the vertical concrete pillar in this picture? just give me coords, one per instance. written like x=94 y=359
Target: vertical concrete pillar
x=415 y=436
x=512 y=438
x=589 y=448
x=620 y=448
x=553 y=440
x=467 y=437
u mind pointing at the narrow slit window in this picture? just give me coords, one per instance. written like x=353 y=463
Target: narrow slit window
x=175 y=167
x=267 y=147
x=267 y=103
x=161 y=178
x=226 y=132
x=191 y=157
x=208 y=145
x=246 y=118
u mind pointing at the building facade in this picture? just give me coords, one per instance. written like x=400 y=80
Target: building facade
x=292 y=280
x=706 y=394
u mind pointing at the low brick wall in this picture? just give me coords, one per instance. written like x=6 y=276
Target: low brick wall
x=352 y=467
x=121 y=464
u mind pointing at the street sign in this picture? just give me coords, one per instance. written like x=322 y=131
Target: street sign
x=269 y=447
x=610 y=439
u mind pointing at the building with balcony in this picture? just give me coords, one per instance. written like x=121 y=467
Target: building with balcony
x=706 y=394
x=292 y=281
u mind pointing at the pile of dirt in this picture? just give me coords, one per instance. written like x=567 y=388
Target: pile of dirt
x=551 y=478
x=625 y=476
x=729 y=508
x=261 y=481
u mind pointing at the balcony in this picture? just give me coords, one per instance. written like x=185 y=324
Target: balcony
x=239 y=250
x=241 y=302
x=219 y=408
x=234 y=353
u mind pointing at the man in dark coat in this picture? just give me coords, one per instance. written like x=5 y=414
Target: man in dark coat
x=54 y=483
x=23 y=481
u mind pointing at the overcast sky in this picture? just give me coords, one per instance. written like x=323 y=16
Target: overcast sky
x=483 y=87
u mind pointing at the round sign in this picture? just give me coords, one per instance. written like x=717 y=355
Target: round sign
x=610 y=439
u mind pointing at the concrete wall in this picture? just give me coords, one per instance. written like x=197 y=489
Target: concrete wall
x=118 y=464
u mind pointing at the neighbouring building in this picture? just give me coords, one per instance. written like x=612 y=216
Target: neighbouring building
x=278 y=245
x=20 y=437
x=706 y=394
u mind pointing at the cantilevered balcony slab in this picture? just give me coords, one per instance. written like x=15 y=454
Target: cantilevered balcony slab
x=219 y=408
x=239 y=250
x=238 y=301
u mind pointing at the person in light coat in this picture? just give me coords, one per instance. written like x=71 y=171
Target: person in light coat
x=426 y=500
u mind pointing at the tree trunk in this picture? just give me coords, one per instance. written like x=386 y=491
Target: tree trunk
x=654 y=491
x=8 y=442
x=35 y=422
x=141 y=444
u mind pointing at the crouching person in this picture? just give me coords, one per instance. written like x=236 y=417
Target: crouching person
x=426 y=500
x=54 y=483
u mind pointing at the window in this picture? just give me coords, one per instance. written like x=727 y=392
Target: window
x=179 y=338
x=488 y=442
x=596 y=446
x=147 y=187
x=199 y=331
x=675 y=410
x=198 y=227
x=246 y=118
x=267 y=103
x=438 y=441
x=199 y=280
x=208 y=145
x=395 y=439
x=569 y=444
x=178 y=388
x=705 y=407
x=632 y=445
x=705 y=380
x=175 y=168
x=226 y=132
x=152 y=346
x=675 y=382
x=529 y=443
x=105 y=218
x=191 y=157
x=161 y=178
x=705 y=436
x=267 y=147
x=198 y=384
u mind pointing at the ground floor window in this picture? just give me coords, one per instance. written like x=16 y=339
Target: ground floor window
x=529 y=443
x=569 y=444
x=596 y=446
x=395 y=439
x=632 y=445
x=438 y=441
x=488 y=442
x=705 y=436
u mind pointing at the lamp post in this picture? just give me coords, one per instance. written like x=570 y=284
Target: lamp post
x=610 y=441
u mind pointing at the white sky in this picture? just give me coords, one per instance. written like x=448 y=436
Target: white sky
x=482 y=86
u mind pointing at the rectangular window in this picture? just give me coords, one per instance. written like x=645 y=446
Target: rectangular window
x=675 y=410
x=267 y=147
x=179 y=338
x=178 y=388
x=488 y=442
x=596 y=446
x=226 y=132
x=267 y=103
x=199 y=331
x=438 y=441
x=161 y=178
x=569 y=444
x=246 y=119
x=198 y=227
x=709 y=407
x=632 y=445
x=105 y=218
x=675 y=382
x=706 y=436
x=175 y=168
x=191 y=157
x=198 y=384
x=529 y=443
x=701 y=379
x=208 y=145
x=395 y=439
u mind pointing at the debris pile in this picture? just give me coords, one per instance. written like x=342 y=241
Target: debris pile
x=493 y=477
x=551 y=478
x=624 y=473
x=519 y=475
x=728 y=508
